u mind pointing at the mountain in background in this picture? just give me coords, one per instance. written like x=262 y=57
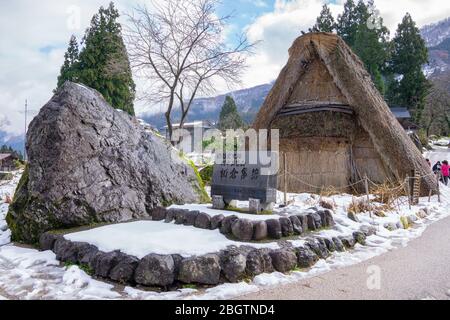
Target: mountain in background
x=437 y=38
x=435 y=33
x=248 y=101
x=16 y=142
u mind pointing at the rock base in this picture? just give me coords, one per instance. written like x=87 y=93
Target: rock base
x=172 y=271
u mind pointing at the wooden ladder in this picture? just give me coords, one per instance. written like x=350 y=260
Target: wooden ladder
x=416 y=188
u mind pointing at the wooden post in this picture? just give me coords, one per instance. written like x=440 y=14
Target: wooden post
x=366 y=185
x=408 y=191
x=438 y=188
x=285 y=178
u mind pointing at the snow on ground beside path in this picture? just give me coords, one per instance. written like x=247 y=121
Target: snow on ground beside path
x=144 y=237
x=6 y=189
x=30 y=274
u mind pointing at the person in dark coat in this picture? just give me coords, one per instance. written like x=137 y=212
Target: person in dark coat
x=437 y=167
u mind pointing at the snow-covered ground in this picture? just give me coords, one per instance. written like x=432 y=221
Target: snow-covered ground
x=438 y=154
x=144 y=237
x=30 y=274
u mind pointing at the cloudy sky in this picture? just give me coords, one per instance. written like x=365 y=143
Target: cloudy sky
x=34 y=36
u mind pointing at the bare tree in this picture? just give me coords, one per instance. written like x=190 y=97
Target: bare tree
x=436 y=117
x=179 y=47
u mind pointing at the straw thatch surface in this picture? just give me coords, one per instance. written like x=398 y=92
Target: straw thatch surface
x=322 y=67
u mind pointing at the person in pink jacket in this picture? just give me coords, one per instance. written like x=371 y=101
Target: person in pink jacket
x=445 y=169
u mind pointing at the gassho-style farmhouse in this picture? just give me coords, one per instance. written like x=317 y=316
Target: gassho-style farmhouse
x=335 y=127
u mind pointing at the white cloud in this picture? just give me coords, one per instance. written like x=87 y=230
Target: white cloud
x=34 y=37
x=276 y=31
x=279 y=28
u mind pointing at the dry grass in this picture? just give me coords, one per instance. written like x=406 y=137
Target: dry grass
x=360 y=205
x=387 y=194
x=330 y=191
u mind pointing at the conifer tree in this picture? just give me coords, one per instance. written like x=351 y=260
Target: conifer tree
x=103 y=62
x=325 y=22
x=69 y=70
x=229 y=116
x=371 y=43
x=410 y=87
x=347 y=23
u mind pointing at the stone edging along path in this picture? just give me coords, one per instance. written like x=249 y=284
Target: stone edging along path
x=172 y=271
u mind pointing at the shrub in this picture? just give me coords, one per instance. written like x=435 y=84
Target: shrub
x=206 y=174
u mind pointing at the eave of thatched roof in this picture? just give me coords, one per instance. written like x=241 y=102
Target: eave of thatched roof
x=350 y=76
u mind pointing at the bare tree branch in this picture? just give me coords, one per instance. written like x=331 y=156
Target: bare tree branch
x=179 y=47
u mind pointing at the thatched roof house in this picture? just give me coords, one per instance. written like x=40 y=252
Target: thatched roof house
x=335 y=127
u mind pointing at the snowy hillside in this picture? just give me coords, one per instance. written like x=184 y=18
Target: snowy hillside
x=248 y=102
x=437 y=38
x=437 y=32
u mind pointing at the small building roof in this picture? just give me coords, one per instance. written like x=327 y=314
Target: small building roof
x=201 y=124
x=4 y=156
x=401 y=112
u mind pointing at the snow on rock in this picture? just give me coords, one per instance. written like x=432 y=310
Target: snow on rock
x=144 y=237
x=207 y=208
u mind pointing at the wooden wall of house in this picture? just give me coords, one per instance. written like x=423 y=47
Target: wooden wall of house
x=314 y=164
x=368 y=161
x=320 y=163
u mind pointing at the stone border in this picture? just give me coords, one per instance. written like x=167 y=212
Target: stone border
x=249 y=230
x=227 y=266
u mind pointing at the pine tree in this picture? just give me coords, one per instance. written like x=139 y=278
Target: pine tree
x=371 y=43
x=69 y=70
x=409 y=55
x=103 y=62
x=325 y=22
x=229 y=116
x=347 y=23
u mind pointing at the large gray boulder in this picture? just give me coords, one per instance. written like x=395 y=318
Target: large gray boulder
x=90 y=163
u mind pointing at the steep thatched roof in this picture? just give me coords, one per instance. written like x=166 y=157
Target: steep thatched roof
x=349 y=75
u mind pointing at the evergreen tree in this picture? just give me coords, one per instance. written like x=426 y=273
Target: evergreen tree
x=410 y=53
x=325 y=22
x=347 y=23
x=103 y=62
x=371 y=43
x=364 y=32
x=229 y=116
x=69 y=70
